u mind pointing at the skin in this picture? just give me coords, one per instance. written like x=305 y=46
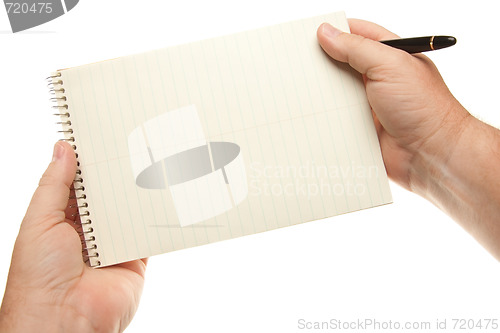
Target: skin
x=50 y=288
x=430 y=144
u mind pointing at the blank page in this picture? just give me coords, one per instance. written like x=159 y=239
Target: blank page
x=221 y=138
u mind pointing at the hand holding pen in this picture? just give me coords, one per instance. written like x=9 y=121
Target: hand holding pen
x=430 y=143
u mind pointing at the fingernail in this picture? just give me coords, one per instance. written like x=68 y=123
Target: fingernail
x=329 y=31
x=58 y=152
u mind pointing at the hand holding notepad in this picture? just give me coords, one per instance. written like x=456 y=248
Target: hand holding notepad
x=218 y=139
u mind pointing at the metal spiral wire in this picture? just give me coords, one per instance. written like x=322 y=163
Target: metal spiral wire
x=84 y=228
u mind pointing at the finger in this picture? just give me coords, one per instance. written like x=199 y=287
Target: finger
x=363 y=54
x=370 y=30
x=138 y=266
x=50 y=199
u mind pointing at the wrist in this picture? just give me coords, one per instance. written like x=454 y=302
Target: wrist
x=17 y=315
x=458 y=174
x=20 y=315
x=430 y=166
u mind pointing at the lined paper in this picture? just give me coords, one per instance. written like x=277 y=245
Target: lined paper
x=301 y=121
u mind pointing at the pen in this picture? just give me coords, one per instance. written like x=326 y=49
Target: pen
x=421 y=44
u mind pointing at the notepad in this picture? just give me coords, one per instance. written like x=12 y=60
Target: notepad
x=217 y=139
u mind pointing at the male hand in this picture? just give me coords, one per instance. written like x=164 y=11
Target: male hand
x=414 y=111
x=49 y=288
x=430 y=144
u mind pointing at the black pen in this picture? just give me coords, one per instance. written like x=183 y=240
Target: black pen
x=421 y=44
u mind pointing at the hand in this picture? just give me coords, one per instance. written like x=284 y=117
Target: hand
x=412 y=108
x=49 y=288
x=430 y=144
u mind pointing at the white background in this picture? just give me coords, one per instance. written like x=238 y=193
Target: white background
x=402 y=262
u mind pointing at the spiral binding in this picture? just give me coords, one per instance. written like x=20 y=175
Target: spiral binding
x=85 y=230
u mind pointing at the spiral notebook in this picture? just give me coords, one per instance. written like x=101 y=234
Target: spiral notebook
x=217 y=139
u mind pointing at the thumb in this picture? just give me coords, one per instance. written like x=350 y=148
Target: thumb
x=363 y=54
x=51 y=197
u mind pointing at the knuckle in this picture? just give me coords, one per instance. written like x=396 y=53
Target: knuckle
x=396 y=65
x=48 y=179
x=356 y=45
x=359 y=42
